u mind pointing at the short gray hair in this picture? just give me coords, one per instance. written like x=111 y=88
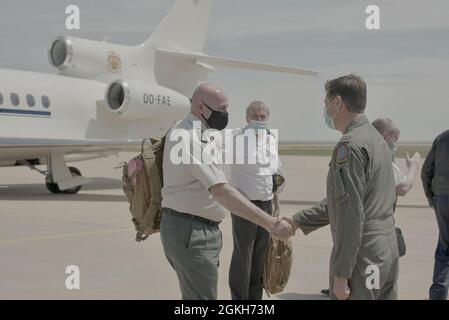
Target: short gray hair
x=385 y=125
x=256 y=104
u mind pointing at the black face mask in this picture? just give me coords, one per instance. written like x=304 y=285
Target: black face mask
x=217 y=120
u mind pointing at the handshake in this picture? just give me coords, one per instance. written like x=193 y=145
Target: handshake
x=284 y=227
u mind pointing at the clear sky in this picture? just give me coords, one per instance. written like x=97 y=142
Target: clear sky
x=405 y=63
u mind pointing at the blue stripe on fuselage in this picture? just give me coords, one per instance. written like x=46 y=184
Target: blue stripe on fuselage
x=25 y=112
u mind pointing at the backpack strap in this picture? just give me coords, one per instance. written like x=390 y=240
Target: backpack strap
x=155 y=141
x=276 y=206
x=142 y=144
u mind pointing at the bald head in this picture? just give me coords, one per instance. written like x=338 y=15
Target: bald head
x=388 y=129
x=210 y=95
x=386 y=126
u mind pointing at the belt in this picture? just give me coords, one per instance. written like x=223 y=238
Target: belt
x=190 y=216
x=379 y=225
x=262 y=201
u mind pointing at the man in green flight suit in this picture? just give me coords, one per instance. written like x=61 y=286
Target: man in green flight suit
x=364 y=261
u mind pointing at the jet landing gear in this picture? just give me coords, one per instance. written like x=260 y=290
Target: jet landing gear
x=58 y=177
x=54 y=187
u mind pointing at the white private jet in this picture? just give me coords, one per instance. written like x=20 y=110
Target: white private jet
x=107 y=97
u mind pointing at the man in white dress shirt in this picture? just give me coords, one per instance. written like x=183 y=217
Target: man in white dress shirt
x=254 y=179
x=403 y=182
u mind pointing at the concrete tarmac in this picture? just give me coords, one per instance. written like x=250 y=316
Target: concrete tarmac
x=41 y=234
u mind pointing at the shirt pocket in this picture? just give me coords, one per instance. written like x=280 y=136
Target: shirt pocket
x=341 y=195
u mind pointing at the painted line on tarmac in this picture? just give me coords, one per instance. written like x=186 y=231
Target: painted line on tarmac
x=68 y=235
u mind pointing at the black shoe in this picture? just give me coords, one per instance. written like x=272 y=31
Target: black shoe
x=325 y=292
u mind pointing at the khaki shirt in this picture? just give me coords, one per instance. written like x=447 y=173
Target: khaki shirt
x=359 y=202
x=188 y=177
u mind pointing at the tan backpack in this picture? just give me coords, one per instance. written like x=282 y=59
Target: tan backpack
x=278 y=262
x=142 y=181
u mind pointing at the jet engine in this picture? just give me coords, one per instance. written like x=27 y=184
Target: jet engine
x=84 y=58
x=136 y=100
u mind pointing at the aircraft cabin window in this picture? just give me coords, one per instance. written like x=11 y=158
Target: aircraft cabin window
x=1 y=98
x=30 y=100
x=15 y=99
x=45 y=101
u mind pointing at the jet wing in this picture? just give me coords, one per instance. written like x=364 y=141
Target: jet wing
x=87 y=145
x=29 y=148
x=232 y=63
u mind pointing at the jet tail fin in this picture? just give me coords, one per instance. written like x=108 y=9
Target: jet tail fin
x=184 y=28
x=204 y=60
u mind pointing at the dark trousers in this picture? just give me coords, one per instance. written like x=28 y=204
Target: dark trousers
x=439 y=288
x=248 y=257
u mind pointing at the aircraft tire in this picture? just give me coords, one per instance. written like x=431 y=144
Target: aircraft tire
x=54 y=188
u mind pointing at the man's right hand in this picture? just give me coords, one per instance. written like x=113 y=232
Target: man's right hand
x=292 y=222
x=282 y=229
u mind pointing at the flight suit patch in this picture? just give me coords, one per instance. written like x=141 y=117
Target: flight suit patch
x=343 y=153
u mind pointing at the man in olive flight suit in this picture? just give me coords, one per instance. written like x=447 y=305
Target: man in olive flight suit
x=359 y=202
